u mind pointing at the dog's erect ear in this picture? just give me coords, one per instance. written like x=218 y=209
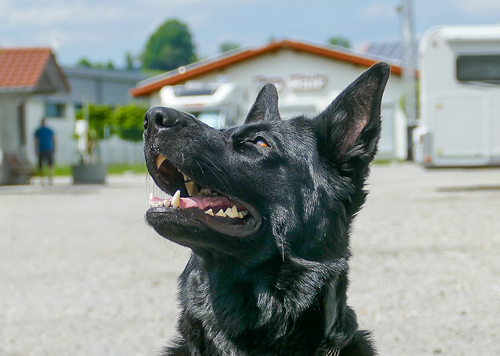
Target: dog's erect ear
x=265 y=107
x=350 y=126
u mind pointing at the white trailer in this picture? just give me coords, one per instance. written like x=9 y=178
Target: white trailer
x=216 y=104
x=459 y=97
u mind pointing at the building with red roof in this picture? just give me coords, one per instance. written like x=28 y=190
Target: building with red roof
x=24 y=72
x=30 y=70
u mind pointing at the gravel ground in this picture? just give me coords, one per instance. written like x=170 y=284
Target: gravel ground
x=82 y=274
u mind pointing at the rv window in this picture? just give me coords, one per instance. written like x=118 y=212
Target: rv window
x=214 y=118
x=478 y=68
x=183 y=91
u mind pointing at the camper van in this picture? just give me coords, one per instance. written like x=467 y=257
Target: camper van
x=459 y=97
x=216 y=104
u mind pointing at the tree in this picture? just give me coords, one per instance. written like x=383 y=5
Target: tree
x=129 y=61
x=169 y=47
x=110 y=65
x=228 y=46
x=84 y=62
x=339 y=41
x=99 y=116
x=128 y=121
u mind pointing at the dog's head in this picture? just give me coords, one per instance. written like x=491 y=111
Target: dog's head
x=273 y=186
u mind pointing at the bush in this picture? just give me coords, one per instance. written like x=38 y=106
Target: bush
x=128 y=121
x=99 y=116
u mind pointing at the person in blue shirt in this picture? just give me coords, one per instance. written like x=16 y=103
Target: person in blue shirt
x=45 y=144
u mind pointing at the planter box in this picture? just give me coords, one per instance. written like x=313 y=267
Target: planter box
x=89 y=173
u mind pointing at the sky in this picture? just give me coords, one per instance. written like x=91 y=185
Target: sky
x=105 y=30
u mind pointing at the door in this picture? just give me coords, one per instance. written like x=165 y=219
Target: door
x=460 y=130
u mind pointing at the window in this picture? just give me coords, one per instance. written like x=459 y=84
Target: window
x=55 y=110
x=187 y=91
x=78 y=106
x=478 y=68
x=212 y=118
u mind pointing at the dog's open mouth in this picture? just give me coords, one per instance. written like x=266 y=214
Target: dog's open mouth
x=198 y=204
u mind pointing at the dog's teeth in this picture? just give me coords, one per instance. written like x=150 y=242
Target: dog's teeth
x=232 y=212
x=240 y=215
x=166 y=203
x=192 y=188
x=176 y=199
x=221 y=213
x=244 y=213
x=205 y=191
x=159 y=160
x=209 y=212
x=186 y=178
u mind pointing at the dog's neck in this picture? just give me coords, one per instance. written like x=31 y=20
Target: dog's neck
x=259 y=308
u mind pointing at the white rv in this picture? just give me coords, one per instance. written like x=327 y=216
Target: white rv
x=216 y=104
x=459 y=97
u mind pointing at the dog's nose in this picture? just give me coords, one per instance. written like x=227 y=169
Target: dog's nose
x=161 y=117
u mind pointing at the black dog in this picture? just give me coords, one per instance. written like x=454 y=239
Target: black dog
x=266 y=209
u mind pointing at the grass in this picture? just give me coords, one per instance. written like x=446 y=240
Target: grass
x=111 y=169
x=141 y=168
x=127 y=168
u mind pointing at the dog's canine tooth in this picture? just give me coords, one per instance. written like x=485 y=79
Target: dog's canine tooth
x=209 y=212
x=176 y=199
x=221 y=213
x=159 y=160
x=192 y=188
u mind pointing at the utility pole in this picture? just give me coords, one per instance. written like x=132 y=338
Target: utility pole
x=405 y=10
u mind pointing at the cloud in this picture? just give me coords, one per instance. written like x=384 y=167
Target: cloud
x=478 y=8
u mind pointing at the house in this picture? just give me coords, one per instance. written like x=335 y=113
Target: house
x=33 y=86
x=88 y=85
x=24 y=72
x=308 y=77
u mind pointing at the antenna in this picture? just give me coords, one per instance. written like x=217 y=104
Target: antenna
x=405 y=10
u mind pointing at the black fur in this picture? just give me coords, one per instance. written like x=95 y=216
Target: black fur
x=274 y=282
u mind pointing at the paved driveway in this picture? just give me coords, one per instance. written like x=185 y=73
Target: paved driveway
x=82 y=274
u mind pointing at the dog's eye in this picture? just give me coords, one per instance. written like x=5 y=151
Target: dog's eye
x=258 y=141
x=261 y=142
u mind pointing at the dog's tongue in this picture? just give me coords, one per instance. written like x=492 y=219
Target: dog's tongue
x=206 y=202
x=201 y=202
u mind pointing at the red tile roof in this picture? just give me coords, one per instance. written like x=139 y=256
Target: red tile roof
x=196 y=69
x=22 y=68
